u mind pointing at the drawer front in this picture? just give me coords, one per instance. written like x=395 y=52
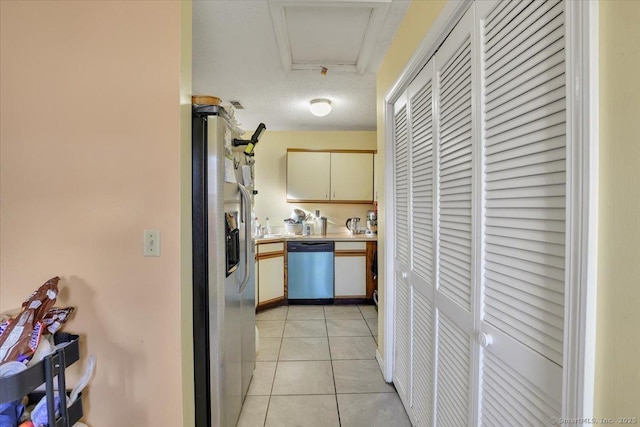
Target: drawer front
x=270 y=247
x=351 y=246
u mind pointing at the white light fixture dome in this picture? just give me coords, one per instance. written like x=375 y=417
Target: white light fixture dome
x=320 y=107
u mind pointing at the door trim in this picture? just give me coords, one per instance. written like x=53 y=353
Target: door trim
x=582 y=196
x=582 y=213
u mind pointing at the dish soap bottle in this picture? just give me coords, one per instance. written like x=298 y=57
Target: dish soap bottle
x=308 y=226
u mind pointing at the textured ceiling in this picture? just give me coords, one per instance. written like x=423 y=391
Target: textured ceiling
x=236 y=57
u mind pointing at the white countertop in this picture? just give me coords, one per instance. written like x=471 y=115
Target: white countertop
x=336 y=237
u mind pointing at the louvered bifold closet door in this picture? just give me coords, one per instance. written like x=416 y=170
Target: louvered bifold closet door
x=453 y=295
x=402 y=333
x=523 y=60
x=421 y=280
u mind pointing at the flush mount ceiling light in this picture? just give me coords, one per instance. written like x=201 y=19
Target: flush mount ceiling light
x=320 y=107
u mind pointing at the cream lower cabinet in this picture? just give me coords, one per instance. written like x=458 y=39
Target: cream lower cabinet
x=255 y=271
x=270 y=272
x=350 y=270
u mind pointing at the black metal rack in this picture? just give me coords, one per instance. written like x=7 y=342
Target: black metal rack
x=24 y=383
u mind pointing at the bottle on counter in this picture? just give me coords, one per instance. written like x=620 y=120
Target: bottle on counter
x=256 y=227
x=308 y=226
x=316 y=223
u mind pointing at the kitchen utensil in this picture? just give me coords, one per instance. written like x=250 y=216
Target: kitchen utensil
x=353 y=224
x=298 y=215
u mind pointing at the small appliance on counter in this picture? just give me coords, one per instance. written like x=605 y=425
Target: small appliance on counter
x=372 y=223
x=353 y=224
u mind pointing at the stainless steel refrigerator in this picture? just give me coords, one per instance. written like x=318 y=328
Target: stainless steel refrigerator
x=223 y=270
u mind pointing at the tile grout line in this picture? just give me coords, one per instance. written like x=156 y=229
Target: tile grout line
x=273 y=382
x=333 y=373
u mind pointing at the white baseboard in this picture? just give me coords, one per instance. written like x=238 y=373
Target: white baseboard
x=381 y=364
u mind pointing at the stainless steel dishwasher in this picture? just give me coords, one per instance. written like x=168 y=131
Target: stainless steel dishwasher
x=310 y=270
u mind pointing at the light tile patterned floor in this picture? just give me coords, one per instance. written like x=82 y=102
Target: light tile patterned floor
x=316 y=367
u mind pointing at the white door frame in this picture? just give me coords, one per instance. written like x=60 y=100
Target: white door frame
x=582 y=196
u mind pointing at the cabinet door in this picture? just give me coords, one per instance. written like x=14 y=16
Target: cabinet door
x=308 y=175
x=271 y=278
x=352 y=176
x=350 y=276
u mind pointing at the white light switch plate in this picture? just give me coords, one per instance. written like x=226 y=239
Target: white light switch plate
x=151 y=242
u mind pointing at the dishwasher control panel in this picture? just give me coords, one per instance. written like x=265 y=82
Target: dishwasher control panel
x=310 y=246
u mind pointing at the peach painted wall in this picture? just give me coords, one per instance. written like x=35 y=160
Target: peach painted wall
x=90 y=157
x=186 y=265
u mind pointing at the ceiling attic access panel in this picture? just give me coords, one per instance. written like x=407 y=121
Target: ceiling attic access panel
x=337 y=35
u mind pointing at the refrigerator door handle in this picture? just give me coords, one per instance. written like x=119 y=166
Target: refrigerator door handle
x=247 y=235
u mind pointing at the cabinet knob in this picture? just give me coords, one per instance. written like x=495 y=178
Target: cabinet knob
x=485 y=340
x=404 y=274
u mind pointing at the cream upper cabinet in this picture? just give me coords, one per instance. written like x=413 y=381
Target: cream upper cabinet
x=308 y=175
x=352 y=176
x=330 y=176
